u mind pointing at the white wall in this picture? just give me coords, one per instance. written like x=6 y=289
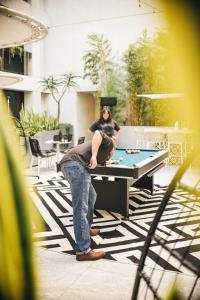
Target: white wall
x=85 y=114
x=33 y=101
x=70 y=22
x=78 y=110
x=69 y=27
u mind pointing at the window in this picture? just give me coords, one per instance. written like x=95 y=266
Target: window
x=17 y=62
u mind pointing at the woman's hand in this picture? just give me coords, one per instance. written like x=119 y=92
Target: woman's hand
x=108 y=162
x=93 y=162
x=114 y=138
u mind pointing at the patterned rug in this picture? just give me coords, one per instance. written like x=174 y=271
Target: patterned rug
x=121 y=240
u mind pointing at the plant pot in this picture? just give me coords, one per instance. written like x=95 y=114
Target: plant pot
x=108 y=101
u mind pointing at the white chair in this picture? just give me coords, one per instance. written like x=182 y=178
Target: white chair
x=141 y=142
x=151 y=140
x=155 y=140
x=176 y=144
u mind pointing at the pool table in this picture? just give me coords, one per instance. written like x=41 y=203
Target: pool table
x=112 y=181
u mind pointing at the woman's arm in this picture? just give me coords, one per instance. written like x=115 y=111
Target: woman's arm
x=117 y=133
x=91 y=133
x=96 y=142
x=92 y=129
x=117 y=130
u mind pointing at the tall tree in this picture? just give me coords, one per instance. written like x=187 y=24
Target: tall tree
x=146 y=65
x=97 y=62
x=116 y=85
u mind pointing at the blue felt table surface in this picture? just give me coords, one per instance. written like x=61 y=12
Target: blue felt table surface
x=132 y=159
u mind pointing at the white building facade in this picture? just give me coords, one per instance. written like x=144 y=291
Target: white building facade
x=69 y=24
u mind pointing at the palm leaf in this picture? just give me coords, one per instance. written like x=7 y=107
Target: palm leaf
x=17 y=271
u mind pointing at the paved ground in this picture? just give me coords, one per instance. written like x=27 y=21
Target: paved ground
x=62 y=277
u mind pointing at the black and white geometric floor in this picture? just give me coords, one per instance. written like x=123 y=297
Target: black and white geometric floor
x=121 y=240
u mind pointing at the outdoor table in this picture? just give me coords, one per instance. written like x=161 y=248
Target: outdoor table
x=58 y=143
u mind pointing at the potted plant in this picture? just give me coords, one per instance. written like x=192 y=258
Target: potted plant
x=33 y=123
x=43 y=127
x=66 y=128
x=58 y=87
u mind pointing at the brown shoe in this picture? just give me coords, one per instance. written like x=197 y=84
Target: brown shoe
x=94 y=231
x=92 y=255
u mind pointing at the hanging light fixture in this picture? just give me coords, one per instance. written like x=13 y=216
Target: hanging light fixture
x=19 y=29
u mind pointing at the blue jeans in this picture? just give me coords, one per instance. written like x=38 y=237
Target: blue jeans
x=83 y=200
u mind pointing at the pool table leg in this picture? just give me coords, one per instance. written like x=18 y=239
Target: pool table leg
x=145 y=182
x=112 y=195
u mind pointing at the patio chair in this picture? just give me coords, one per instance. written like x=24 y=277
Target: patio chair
x=65 y=147
x=176 y=142
x=25 y=145
x=148 y=139
x=56 y=138
x=38 y=153
x=155 y=140
x=81 y=140
x=69 y=137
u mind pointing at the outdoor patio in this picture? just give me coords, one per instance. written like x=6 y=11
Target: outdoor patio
x=129 y=69
x=62 y=277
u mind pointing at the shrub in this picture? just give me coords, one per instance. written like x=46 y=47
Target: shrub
x=33 y=122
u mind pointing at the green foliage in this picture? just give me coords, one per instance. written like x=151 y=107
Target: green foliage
x=146 y=62
x=97 y=63
x=59 y=86
x=137 y=60
x=116 y=86
x=33 y=122
x=65 y=128
x=107 y=75
x=145 y=70
x=17 y=263
x=13 y=51
x=51 y=84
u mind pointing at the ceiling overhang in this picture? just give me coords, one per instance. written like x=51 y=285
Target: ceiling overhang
x=18 y=29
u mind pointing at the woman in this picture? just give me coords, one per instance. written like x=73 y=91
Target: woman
x=106 y=124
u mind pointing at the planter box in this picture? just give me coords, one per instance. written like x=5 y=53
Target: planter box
x=108 y=101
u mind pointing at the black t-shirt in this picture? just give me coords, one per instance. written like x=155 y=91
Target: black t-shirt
x=83 y=152
x=108 y=128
